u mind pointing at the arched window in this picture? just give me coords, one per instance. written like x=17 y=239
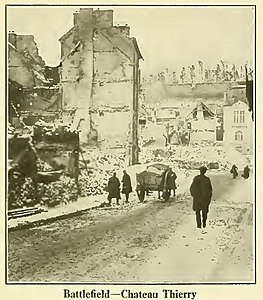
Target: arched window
x=238 y=136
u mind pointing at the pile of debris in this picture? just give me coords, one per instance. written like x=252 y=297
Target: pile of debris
x=57 y=192
x=214 y=156
x=42 y=166
x=93 y=183
x=21 y=191
x=96 y=166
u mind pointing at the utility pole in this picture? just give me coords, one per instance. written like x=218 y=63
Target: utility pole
x=134 y=144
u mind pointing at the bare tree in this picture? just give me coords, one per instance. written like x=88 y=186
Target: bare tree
x=169 y=132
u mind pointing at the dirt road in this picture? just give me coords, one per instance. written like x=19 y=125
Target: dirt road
x=149 y=242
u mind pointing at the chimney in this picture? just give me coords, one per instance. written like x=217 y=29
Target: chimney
x=75 y=17
x=84 y=15
x=103 y=18
x=125 y=30
x=83 y=21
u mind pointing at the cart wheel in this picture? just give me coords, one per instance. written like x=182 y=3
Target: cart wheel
x=141 y=194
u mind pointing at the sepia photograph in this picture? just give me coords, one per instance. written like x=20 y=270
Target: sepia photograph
x=130 y=144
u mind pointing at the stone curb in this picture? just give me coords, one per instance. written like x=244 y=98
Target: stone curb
x=41 y=222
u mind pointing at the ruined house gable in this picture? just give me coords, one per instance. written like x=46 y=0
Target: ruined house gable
x=101 y=51
x=25 y=66
x=26 y=44
x=201 y=109
x=123 y=43
x=88 y=24
x=19 y=69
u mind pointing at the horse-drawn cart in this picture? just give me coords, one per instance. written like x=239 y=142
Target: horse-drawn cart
x=150 y=180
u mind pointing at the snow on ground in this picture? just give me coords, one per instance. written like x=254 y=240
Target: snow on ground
x=155 y=241
x=221 y=252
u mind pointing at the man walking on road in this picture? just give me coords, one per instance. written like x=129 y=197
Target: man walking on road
x=126 y=185
x=114 y=189
x=234 y=172
x=201 y=191
x=246 y=171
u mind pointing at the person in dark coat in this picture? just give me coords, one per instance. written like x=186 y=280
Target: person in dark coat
x=234 y=172
x=246 y=171
x=126 y=185
x=114 y=189
x=201 y=191
x=171 y=181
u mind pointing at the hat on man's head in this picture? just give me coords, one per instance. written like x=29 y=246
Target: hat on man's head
x=203 y=169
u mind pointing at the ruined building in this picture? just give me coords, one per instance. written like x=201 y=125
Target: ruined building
x=31 y=94
x=100 y=79
x=37 y=155
x=25 y=65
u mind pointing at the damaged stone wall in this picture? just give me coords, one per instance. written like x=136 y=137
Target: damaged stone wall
x=26 y=43
x=115 y=135
x=97 y=73
x=113 y=69
x=113 y=84
x=25 y=65
x=18 y=68
x=32 y=104
x=30 y=93
x=77 y=69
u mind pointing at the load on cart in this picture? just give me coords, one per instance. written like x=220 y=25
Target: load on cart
x=152 y=179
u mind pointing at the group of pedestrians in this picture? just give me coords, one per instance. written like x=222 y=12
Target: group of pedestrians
x=234 y=172
x=114 y=187
x=201 y=189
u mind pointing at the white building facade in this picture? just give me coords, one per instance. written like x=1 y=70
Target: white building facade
x=238 y=127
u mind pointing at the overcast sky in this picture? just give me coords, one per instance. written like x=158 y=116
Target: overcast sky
x=167 y=36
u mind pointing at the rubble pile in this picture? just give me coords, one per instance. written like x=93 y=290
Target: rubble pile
x=57 y=168
x=57 y=192
x=21 y=192
x=214 y=156
x=31 y=179
x=21 y=170
x=96 y=166
x=93 y=182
